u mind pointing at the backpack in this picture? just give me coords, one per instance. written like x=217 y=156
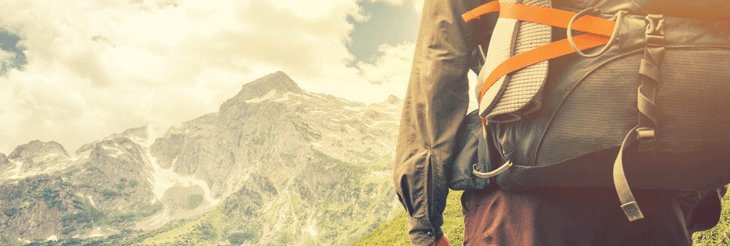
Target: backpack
x=648 y=107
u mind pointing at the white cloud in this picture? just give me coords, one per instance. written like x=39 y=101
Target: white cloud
x=375 y=82
x=392 y=2
x=388 y=68
x=100 y=67
x=418 y=6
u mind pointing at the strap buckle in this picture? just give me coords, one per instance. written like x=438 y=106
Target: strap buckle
x=632 y=211
x=645 y=134
x=655 y=24
x=654 y=34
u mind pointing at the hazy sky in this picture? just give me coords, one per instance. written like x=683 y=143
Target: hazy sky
x=76 y=71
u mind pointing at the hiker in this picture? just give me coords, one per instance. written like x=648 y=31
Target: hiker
x=433 y=119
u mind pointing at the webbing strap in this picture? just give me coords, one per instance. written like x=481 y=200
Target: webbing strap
x=481 y=10
x=628 y=202
x=556 y=18
x=649 y=69
x=649 y=111
x=543 y=15
x=646 y=106
x=543 y=53
x=547 y=16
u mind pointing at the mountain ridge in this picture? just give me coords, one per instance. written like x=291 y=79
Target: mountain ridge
x=285 y=165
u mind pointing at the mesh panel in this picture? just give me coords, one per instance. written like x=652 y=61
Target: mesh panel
x=693 y=99
x=499 y=50
x=596 y=115
x=694 y=96
x=524 y=83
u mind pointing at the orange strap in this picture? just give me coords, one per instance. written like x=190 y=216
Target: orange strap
x=539 y=54
x=542 y=15
x=547 y=16
x=481 y=10
x=556 y=18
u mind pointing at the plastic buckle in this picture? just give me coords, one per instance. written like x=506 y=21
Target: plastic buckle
x=654 y=41
x=654 y=34
x=645 y=134
x=655 y=24
x=632 y=211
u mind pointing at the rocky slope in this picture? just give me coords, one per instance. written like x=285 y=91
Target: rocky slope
x=285 y=166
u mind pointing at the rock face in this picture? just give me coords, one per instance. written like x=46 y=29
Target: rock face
x=287 y=166
x=38 y=216
x=51 y=194
x=4 y=163
x=36 y=154
x=279 y=81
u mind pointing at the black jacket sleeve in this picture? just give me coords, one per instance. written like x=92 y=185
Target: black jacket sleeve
x=434 y=107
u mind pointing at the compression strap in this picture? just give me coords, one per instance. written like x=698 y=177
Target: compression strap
x=548 y=16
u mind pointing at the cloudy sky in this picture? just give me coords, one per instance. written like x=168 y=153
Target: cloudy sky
x=76 y=71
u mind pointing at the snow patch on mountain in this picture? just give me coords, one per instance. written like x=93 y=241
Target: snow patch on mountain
x=116 y=153
x=91 y=201
x=354 y=108
x=164 y=179
x=350 y=127
x=378 y=122
x=268 y=96
x=284 y=98
x=18 y=166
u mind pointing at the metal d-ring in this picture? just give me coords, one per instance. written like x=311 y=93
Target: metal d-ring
x=494 y=173
x=614 y=35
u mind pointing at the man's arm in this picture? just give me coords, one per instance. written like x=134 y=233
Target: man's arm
x=434 y=107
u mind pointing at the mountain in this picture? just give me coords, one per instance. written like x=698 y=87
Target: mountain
x=280 y=164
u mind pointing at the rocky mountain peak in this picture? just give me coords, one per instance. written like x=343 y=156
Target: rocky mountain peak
x=285 y=167
x=262 y=88
x=140 y=132
x=393 y=100
x=278 y=81
x=36 y=150
x=131 y=133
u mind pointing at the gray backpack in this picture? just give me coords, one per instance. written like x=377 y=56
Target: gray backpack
x=648 y=109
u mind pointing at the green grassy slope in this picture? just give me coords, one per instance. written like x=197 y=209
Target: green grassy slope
x=719 y=234
x=395 y=232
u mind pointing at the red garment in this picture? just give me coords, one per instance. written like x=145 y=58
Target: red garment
x=570 y=216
